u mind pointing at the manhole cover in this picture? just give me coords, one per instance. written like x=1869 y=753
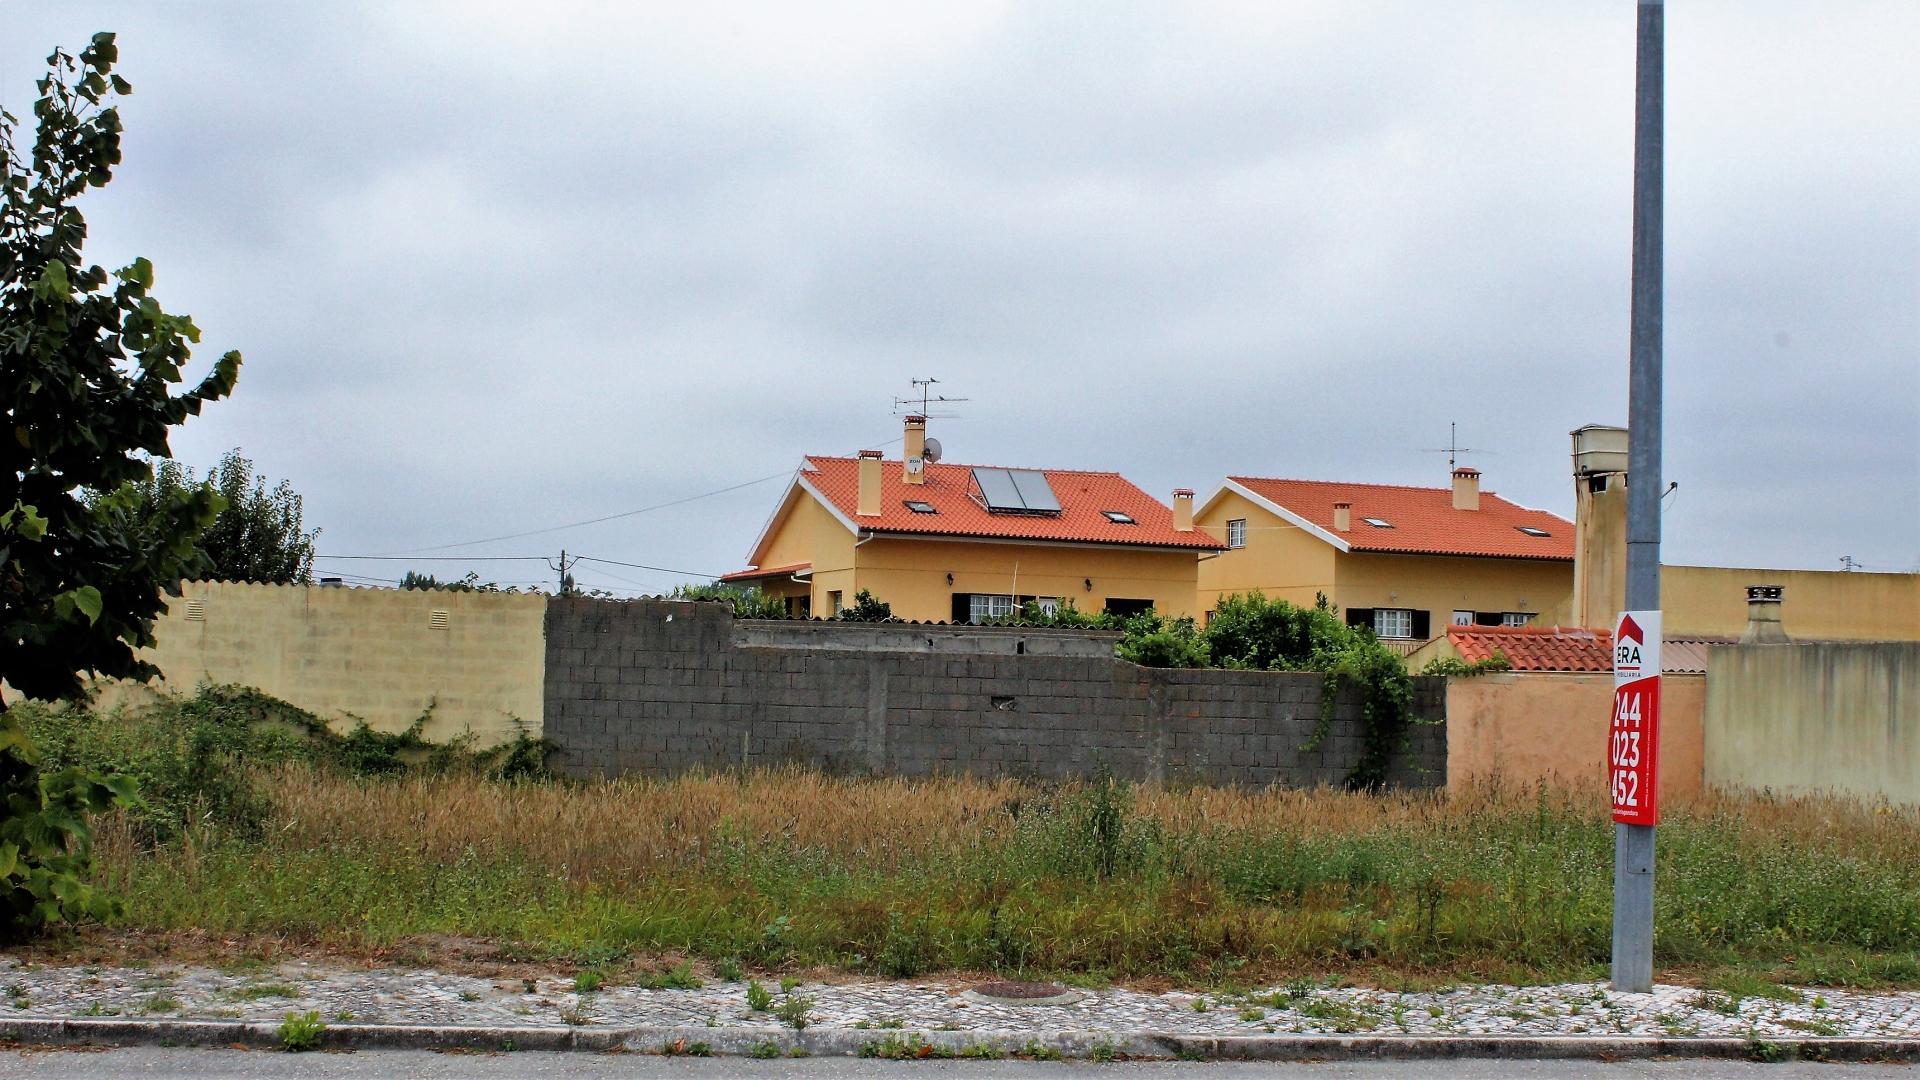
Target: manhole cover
x=1024 y=993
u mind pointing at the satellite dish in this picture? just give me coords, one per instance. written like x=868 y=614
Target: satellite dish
x=932 y=451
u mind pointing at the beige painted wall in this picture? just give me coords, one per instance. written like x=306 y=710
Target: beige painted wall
x=911 y=575
x=1440 y=584
x=1825 y=605
x=1842 y=718
x=1524 y=728
x=1280 y=560
x=367 y=653
x=1285 y=562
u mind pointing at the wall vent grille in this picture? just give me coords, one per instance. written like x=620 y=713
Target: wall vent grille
x=437 y=619
x=196 y=611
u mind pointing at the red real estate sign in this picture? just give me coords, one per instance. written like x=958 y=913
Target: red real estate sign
x=1633 y=743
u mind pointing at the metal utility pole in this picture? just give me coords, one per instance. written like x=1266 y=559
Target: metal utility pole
x=1633 y=844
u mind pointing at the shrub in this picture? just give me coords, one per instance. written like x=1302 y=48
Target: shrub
x=1151 y=641
x=866 y=608
x=747 y=601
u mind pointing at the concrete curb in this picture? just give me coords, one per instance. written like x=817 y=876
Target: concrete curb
x=851 y=1042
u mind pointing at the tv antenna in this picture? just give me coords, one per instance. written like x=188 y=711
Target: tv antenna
x=924 y=399
x=1453 y=449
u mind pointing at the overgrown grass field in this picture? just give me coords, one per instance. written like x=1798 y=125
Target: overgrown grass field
x=1092 y=881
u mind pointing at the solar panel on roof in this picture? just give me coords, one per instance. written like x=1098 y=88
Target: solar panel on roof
x=1016 y=491
x=1034 y=490
x=996 y=487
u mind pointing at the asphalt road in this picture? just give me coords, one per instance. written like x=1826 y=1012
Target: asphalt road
x=220 y=1064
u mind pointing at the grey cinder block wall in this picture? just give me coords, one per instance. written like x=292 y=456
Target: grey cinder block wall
x=657 y=687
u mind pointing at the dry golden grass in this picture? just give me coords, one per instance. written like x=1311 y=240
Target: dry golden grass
x=612 y=829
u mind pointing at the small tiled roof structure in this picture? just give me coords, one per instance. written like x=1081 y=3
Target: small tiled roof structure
x=1568 y=648
x=770 y=572
x=958 y=511
x=1421 y=520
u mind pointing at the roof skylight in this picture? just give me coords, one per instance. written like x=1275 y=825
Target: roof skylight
x=1378 y=523
x=919 y=507
x=1531 y=531
x=1119 y=517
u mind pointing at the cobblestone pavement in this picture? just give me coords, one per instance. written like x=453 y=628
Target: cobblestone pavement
x=342 y=995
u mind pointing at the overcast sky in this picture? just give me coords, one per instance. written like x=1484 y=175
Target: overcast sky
x=500 y=267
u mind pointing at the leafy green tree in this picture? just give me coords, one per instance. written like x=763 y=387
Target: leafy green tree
x=748 y=601
x=258 y=534
x=413 y=579
x=88 y=365
x=866 y=608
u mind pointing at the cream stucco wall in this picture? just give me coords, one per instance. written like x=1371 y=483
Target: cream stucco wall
x=373 y=654
x=1825 y=605
x=1280 y=560
x=1285 y=562
x=1521 y=729
x=1442 y=584
x=1841 y=718
x=911 y=575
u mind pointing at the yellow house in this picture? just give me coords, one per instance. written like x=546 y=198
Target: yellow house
x=1711 y=601
x=1407 y=561
x=941 y=542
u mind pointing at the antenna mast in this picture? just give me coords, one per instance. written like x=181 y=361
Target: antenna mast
x=926 y=399
x=1453 y=449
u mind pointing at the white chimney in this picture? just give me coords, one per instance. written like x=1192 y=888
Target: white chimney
x=869 y=498
x=915 y=469
x=1466 y=488
x=1182 y=509
x=1342 y=516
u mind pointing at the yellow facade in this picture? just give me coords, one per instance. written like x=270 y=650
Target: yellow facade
x=379 y=655
x=1286 y=562
x=911 y=574
x=1711 y=601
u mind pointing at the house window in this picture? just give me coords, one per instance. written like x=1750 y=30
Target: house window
x=1515 y=618
x=800 y=607
x=1463 y=618
x=984 y=606
x=1127 y=608
x=1391 y=622
x=833 y=602
x=1237 y=533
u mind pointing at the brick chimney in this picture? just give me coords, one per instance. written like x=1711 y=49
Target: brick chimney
x=1182 y=509
x=869 y=500
x=1342 y=516
x=1763 y=616
x=1466 y=488
x=915 y=471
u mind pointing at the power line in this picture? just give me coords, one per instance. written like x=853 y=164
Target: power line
x=622 y=514
x=440 y=558
x=644 y=566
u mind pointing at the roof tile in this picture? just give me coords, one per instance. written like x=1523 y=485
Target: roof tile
x=1424 y=520
x=957 y=512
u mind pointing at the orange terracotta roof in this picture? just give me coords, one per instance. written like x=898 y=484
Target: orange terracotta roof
x=771 y=571
x=1424 y=520
x=949 y=489
x=1535 y=648
x=1570 y=648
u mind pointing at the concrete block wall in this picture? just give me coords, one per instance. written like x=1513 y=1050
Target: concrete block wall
x=658 y=687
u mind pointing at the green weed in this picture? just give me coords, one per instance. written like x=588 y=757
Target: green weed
x=301 y=1032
